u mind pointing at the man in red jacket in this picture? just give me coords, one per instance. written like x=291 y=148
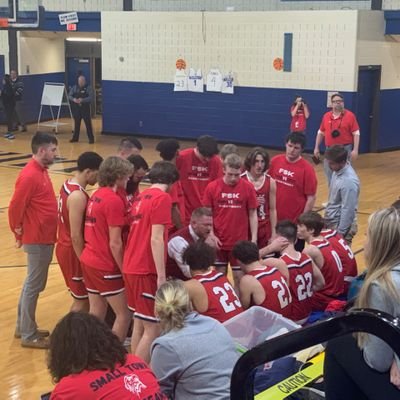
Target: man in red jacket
x=32 y=217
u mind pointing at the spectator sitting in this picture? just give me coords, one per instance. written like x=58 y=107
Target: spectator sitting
x=195 y=356
x=87 y=361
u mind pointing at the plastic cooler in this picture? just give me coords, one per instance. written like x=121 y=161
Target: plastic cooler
x=255 y=325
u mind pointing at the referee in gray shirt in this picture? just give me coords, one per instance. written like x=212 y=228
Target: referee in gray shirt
x=344 y=191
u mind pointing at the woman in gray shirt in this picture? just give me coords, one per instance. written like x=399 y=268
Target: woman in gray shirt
x=365 y=367
x=194 y=357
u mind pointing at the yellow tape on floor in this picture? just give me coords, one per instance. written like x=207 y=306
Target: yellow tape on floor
x=295 y=382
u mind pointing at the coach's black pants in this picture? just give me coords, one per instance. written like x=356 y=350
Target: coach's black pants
x=348 y=377
x=82 y=112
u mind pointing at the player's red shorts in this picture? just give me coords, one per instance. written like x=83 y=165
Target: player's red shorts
x=71 y=269
x=140 y=293
x=263 y=234
x=224 y=257
x=104 y=283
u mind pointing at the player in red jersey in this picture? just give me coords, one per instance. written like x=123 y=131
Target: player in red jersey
x=87 y=361
x=262 y=285
x=197 y=168
x=146 y=253
x=309 y=228
x=71 y=216
x=346 y=255
x=200 y=227
x=102 y=256
x=305 y=278
x=210 y=291
x=169 y=151
x=256 y=163
x=296 y=181
x=233 y=203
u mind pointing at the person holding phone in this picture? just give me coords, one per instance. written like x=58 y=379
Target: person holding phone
x=300 y=113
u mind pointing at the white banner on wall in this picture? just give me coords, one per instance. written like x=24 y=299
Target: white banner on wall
x=68 y=18
x=214 y=80
x=195 y=81
x=228 y=83
x=180 y=81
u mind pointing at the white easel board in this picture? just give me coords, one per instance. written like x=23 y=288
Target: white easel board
x=54 y=95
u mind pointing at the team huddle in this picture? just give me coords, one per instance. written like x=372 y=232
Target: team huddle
x=204 y=210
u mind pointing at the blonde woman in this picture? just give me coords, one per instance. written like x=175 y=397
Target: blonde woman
x=365 y=367
x=194 y=357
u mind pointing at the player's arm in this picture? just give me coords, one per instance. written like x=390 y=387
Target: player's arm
x=356 y=144
x=318 y=278
x=157 y=250
x=278 y=264
x=197 y=294
x=246 y=290
x=253 y=222
x=318 y=140
x=315 y=254
x=276 y=246
x=310 y=202
x=76 y=205
x=306 y=110
x=116 y=245
x=176 y=216
x=24 y=189
x=294 y=109
x=272 y=207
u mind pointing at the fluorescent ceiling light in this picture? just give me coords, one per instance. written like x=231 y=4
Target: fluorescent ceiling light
x=82 y=39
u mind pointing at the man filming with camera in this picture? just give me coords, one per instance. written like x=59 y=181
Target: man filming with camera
x=338 y=126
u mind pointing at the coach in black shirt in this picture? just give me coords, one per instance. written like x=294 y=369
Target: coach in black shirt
x=81 y=96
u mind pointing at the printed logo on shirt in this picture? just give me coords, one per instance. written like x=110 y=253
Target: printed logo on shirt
x=286 y=177
x=199 y=173
x=134 y=384
x=261 y=206
x=230 y=200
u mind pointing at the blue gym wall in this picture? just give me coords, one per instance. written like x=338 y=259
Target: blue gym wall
x=258 y=116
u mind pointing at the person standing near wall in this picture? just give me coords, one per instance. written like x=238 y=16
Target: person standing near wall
x=299 y=112
x=80 y=96
x=8 y=99
x=338 y=126
x=18 y=88
x=32 y=217
x=344 y=191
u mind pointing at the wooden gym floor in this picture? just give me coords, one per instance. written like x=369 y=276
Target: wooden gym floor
x=23 y=372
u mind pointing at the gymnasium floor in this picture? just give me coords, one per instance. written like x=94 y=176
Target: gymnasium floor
x=23 y=373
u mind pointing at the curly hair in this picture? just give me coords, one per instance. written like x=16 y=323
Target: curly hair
x=112 y=169
x=80 y=342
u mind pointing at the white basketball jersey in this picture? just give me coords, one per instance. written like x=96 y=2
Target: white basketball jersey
x=195 y=81
x=180 y=81
x=214 y=80
x=228 y=83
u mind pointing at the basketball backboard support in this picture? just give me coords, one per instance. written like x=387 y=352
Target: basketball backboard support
x=22 y=14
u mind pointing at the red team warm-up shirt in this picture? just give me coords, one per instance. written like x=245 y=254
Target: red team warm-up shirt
x=294 y=182
x=332 y=269
x=223 y=303
x=105 y=208
x=34 y=206
x=64 y=228
x=151 y=207
x=230 y=207
x=277 y=293
x=194 y=176
x=300 y=285
x=132 y=381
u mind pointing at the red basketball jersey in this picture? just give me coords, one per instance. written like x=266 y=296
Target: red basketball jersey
x=64 y=229
x=346 y=255
x=277 y=294
x=332 y=269
x=300 y=284
x=223 y=302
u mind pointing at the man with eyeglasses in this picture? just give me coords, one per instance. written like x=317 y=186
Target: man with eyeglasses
x=338 y=126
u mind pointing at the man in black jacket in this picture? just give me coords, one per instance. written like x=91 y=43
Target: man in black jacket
x=81 y=96
x=18 y=88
